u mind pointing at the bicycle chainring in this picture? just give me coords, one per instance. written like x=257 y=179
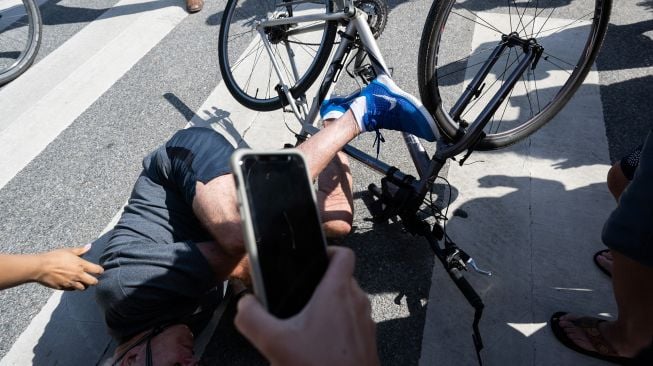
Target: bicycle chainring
x=377 y=14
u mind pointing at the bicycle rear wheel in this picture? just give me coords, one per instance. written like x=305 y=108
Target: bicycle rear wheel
x=20 y=37
x=300 y=49
x=460 y=36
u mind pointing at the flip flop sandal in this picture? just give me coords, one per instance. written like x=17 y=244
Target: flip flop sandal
x=598 y=264
x=589 y=325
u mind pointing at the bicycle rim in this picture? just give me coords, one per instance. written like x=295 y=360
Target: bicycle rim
x=300 y=50
x=461 y=37
x=20 y=34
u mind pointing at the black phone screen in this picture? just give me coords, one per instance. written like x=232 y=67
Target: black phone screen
x=289 y=238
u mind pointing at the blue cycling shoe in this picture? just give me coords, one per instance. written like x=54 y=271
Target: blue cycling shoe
x=383 y=105
x=337 y=106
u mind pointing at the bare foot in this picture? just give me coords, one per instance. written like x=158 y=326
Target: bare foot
x=602 y=337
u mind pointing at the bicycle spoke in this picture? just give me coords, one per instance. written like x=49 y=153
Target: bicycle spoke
x=488 y=26
x=290 y=77
x=510 y=16
x=528 y=95
x=503 y=79
x=305 y=48
x=558 y=66
x=568 y=25
x=545 y=21
x=233 y=68
x=464 y=58
x=521 y=16
x=238 y=35
x=537 y=3
x=537 y=94
x=535 y=17
x=269 y=79
x=559 y=59
x=256 y=58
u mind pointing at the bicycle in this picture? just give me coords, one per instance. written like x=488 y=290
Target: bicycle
x=20 y=37
x=482 y=98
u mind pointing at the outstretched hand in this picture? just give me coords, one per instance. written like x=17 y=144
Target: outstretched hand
x=63 y=269
x=335 y=327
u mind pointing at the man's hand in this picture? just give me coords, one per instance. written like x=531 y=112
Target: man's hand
x=63 y=269
x=335 y=327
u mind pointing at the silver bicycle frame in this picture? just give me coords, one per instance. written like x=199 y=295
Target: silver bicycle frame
x=357 y=26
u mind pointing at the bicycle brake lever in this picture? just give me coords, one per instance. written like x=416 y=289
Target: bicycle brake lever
x=472 y=263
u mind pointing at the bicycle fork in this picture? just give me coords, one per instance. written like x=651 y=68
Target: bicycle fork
x=532 y=53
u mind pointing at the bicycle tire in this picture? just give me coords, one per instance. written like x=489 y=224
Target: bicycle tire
x=30 y=19
x=432 y=69
x=269 y=99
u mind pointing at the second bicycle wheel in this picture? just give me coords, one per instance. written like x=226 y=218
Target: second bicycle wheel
x=20 y=37
x=300 y=50
x=461 y=35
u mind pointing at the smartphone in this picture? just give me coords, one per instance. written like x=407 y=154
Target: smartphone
x=282 y=228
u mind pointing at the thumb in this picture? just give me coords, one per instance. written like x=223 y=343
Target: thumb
x=81 y=250
x=256 y=324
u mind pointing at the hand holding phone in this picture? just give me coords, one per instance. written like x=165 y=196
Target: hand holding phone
x=282 y=229
x=335 y=327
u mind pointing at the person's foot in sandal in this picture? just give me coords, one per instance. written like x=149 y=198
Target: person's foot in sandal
x=591 y=336
x=603 y=260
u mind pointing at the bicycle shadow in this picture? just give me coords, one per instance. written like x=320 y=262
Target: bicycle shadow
x=216 y=118
x=537 y=237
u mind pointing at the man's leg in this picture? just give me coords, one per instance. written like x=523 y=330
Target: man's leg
x=632 y=283
x=335 y=198
x=334 y=195
x=619 y=176
x=629 y=235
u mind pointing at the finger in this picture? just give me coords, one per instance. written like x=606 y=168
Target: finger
x=361 y=301
x=81 y=250
x=92 y=268
x=88 y=280
x=76 y=286
x=341 y=264
x=256 y=324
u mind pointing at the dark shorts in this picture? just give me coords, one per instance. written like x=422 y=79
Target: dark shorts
x=154 y=272
x=629 y=229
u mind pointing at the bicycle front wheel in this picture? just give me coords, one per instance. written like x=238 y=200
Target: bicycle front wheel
x=20 y=37
x=459 y=38
x=299 y=50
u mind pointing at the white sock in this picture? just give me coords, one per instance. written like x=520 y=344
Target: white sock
x=358 y=108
